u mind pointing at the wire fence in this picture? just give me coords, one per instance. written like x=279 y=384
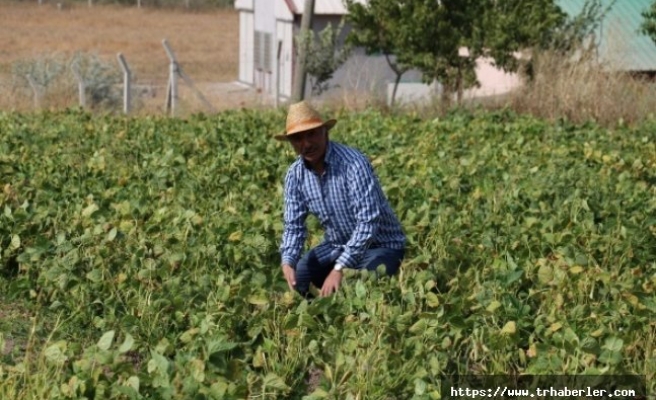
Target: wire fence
x=188 y=4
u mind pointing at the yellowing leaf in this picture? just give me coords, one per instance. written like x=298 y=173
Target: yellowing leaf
x=90 y=209
x=15 y=242
x=198 y=369
x=494 y=305
x=632 y=299
x=509 y=328
x=188 y=335
x=575 y=270
x=432 y=300
x=106 y=340
x=532 y=351
x=258 y=300
x=597 y=333
x=126 y=226
x=555 y=326
x=545 y=274
x=235 y=236
x=55 y=354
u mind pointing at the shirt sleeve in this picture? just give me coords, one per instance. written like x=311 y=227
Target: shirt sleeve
x=364 y=193
x=295 y=214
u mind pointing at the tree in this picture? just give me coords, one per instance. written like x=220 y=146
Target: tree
x=648 y=26
x=376 y=29
x=444 y=38
x=323 y=55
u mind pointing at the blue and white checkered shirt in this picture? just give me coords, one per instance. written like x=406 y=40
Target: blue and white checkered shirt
x=349 y=203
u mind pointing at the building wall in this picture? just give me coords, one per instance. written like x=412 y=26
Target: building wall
x=360 y=72
x=264 y=45
x=285 y=65
x=246 y=65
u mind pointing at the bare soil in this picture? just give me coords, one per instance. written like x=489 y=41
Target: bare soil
x=205 y=43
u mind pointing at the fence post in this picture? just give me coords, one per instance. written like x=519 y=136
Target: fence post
x=35 y=90
x=172 y=91
x=81 y=90
x=277 y=83
x=126 y=83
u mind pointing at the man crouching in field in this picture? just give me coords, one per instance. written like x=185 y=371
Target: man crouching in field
x=337 y=184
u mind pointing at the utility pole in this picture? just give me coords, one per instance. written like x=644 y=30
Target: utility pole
x=299 y=72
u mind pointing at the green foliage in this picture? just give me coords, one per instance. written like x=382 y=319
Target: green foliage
x=648 y=26
x=429 y=35
x=155 y=240
x=376 y=28
x=324 y=55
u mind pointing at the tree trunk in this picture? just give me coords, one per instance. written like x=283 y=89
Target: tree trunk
x=300 y=76
x=459 y=85
x=399 y=73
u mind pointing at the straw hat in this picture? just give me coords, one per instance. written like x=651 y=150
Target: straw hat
x=302 y=117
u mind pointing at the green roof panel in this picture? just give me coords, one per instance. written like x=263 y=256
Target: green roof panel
x=621 y=44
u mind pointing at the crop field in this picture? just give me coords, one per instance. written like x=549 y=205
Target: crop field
x=139 y=258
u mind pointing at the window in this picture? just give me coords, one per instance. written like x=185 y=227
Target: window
x=263 y=53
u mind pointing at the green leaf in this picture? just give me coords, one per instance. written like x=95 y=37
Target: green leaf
x=157 y=363
x=420 y=387
x=432 y=300
x=419 y=326
x=133 y=382
x=273 y=381
x=127 y=344
x=55 y=355
x=94 y=275
x=360 y=290
x=89 y=210
x=112 y=234
x=318 y=393
x=15 y=242
x=613 y=344
x=106 y=340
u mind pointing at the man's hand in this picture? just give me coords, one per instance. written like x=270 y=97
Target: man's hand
x=290 y=275
x=331 y=284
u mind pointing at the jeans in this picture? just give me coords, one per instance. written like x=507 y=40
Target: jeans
x=310 y=270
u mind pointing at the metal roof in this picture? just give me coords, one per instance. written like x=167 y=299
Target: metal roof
x=620 y=43
x=244 y=5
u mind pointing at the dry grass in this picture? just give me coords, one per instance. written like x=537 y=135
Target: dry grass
x=578 y=92
x=206 y=43
x=585 y=91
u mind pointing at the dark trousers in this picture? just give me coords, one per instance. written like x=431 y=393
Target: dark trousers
x=310 y=270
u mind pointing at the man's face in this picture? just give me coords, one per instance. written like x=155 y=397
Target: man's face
x=310 y=144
